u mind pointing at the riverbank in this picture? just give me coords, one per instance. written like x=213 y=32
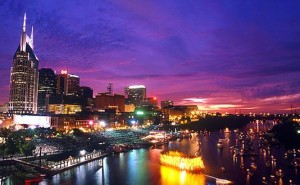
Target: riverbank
x=290 y=129
x=214 y=123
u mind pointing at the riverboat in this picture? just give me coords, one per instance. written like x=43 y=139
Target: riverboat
x=181 y=161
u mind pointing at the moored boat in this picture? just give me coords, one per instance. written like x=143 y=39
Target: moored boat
x=33 y=178
x=220 y=143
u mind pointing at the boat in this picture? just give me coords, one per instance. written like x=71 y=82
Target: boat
x=33 y=178
x=279 y=173
x=226 y=130
x=264 y=180
x=220 y=143
x=253 y=166
x=222 y=182
x=181 y=161
x=268 y=164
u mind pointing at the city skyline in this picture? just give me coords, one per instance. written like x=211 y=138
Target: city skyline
x=221 y=56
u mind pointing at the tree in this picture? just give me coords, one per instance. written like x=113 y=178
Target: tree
x=27 y=149
x=11 y=147
x=77 y=132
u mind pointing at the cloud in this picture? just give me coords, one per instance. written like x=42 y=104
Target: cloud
x=232 y=55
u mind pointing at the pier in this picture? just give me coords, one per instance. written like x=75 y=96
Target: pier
x=51 y=168
x=219 y=181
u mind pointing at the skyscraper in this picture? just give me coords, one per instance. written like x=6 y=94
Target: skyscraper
x=24 y=76
x=166 y=103
x=136 y=94
x=47 y=87
x=73 y=85
x=62 y=83
x=67 y=84
x=86 y=98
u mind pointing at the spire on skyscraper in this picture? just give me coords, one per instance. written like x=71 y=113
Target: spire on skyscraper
x=31 y=38
x=23 y=36
x=24 y=23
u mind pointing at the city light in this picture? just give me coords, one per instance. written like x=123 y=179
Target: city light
x=140 y=113
x=32 y=127
x=64 y=72
x=102 y=123
x=82 y=152
x=136 y=86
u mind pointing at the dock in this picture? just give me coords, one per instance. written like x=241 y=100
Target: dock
x=52 y=168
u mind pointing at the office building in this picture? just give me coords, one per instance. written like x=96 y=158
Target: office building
x=135 y=94
x=85 y=95
x=166 y=103
x=150 y=102
x=67 y=84
x=47 y=87
x=110 y=101
x=23 y=93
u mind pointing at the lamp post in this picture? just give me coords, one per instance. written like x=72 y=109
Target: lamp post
x=3 y=149
x=40 y=162
x=91 y=124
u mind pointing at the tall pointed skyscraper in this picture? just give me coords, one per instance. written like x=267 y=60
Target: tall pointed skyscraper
x=24 y=77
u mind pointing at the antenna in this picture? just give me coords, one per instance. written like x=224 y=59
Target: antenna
x=110 y=88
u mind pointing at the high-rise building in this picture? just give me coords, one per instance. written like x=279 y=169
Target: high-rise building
x=85 y=95
x=85 y=92
x=67 y=84
x=136 y=94
x=62 y=83
x=73 y=85
x=166 y=103
x=23 y=93
x=150 y=102
x=47 y=87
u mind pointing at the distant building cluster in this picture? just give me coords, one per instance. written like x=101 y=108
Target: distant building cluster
x=44 y=98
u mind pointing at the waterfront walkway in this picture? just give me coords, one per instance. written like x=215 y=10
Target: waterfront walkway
x=52 y=168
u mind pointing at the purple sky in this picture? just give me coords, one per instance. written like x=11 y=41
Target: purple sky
x=223 y=56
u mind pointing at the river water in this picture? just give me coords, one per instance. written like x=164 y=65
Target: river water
x=142 y=167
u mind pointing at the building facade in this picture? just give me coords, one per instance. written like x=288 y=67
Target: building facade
x=107 y=101
x=150 y=102
x=85 y=95
x=47 y=87
x=166 y=103
x=23 y=93
x=135 y=94
x=67 y=84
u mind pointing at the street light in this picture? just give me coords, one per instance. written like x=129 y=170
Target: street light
x=82 y=152
x=91 y=124
x=102 y=123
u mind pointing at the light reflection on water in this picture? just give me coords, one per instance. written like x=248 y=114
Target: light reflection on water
x=173 y=177
x=142 y=166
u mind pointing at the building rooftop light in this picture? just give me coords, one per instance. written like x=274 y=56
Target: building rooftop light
x=136 y=86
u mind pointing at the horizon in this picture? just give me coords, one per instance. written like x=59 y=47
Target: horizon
x=222 y=57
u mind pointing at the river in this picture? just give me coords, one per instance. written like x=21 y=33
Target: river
x=142 y=167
